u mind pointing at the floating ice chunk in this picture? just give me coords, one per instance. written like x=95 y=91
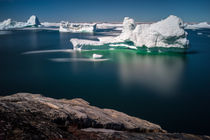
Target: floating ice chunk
x=97 y=56
x=199 y=33
x=198 y=26
x=33 y=21
x=73 y=27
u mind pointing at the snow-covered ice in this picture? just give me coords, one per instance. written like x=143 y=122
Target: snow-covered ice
x=74 y=27
x=202 y=25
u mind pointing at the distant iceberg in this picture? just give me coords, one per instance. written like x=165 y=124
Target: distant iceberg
x=165 y=34
x=8 y=24
x=77 y=28
x=202 y=25
x=33 y=21
x=115 y=26
x=51 y=24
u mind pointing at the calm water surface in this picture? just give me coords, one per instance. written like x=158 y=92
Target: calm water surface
x=170 y=90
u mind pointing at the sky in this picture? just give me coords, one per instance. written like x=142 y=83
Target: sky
x=104 y=10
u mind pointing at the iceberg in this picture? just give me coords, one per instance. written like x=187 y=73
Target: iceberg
x=202 y=25
x=33 y=21
x=115 y=26
x=162 y=35
x=10 y=24
x=51 y=24
x=77 y=28
x=166 y=33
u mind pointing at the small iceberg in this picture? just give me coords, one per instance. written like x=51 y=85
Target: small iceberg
x=202 y=25
x=96 y=56
x=167 y=34
x=9 y=24
x=77 y=28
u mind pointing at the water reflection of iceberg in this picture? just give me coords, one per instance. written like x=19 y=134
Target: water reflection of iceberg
x=159 y=73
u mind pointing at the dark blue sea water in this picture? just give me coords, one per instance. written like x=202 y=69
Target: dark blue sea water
x=172 y=90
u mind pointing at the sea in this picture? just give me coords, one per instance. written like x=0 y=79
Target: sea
x=172 y=90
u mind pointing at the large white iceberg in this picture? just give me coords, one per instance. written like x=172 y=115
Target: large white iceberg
x=202 y=25
x=77 y=28
x=167 y=33
x=33 y=21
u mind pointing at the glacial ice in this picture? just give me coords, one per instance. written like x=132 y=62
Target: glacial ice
x=33 y=21
x=202 y=25
x=167 y=33
x=77 y=28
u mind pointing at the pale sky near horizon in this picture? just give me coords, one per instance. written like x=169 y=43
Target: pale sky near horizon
x=104 y=10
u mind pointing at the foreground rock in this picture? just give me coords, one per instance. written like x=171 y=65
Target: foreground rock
x=32 y=116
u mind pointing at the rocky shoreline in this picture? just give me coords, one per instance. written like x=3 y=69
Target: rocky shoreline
x=28 y=116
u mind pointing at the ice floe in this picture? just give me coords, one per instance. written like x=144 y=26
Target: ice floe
x=202 y=25
x=74 y=27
